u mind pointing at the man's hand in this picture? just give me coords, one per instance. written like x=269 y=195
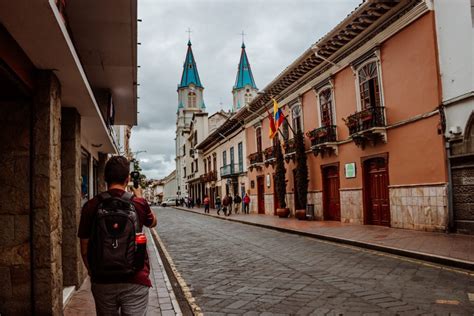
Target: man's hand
x=137 y=192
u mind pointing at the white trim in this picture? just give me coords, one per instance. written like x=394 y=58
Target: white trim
x=300 y=104
x=378 y=65
x=331 y=87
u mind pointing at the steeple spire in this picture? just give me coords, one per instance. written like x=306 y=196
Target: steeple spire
x=190 y=73
x=244 y=74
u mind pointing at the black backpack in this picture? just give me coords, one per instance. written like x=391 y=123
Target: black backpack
x=112 y=248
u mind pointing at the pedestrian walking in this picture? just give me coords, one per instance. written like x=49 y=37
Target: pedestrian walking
x=230 y=204
x=246 y=201
x=218 y=204
x=198 y=202
x=225 y=204
x=120 y=279
x=237 y=201
x=206 y=204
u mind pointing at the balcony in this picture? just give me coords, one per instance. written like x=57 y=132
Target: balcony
x=290 y=149
x=367 y=126
x=229 y=171
x=209 y=177
x=323 y=140
x=269 y=155
x=256 y=158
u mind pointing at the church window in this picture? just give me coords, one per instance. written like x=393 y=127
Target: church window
x=248 y=98
x=192 y=99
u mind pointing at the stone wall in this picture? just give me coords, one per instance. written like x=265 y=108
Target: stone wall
x=47 y=221
x=422 y=207
x=15 y=268
x=316 y=198
x=73 y=268
x=269 y=204
x=351 y=206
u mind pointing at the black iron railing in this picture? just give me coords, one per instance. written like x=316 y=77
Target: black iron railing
x=365 y=119
x=255 y=158
x=229 y=170
x=269 y=153
x=322 y=135
x=290 y=147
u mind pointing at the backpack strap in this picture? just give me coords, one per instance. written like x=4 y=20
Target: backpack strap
x=127 y=196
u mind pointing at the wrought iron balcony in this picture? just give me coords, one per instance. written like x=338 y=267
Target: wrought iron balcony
x=290 y=147
x=230 y=170
x=255 y=158
x=365 y=120
x=269 y=153
x=321 y=135
x=210 y=176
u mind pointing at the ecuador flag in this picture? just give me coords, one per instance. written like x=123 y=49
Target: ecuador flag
x=277 y=120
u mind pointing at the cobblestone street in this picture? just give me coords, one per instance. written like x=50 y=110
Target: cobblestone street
x=233 y=268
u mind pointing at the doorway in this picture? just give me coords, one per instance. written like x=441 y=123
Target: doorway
x=261 y=195
x=331 y=200
x=376 y=196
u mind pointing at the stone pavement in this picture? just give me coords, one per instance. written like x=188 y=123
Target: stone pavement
x=162 y=300
x=449 y=249
x=236 y=269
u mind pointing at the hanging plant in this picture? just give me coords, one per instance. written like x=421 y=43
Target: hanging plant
x=280 y=172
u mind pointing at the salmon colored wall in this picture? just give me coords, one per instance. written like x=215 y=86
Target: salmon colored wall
x=410 y=85
x=409 y=69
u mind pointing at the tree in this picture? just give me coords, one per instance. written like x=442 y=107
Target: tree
x=280 y=172
x=301 y=170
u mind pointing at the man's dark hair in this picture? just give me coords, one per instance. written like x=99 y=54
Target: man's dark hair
x=117 y=169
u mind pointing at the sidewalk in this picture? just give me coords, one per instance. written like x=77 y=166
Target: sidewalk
x=447 y=249
x=162 y=300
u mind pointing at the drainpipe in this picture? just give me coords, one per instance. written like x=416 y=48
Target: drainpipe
x=32 y=212
x=450 y=227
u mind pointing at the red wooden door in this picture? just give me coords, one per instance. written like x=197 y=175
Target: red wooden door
x=260 y=195
x=376 y=192
x=331 y=200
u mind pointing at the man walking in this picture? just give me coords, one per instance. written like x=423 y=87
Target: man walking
x=218 y=204
x=246 y=203
x=206 y=204
x=237 y=201
x=230 y=204
x=225 y=204
x=117 y=285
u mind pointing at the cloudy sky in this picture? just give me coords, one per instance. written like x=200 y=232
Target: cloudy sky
x=278 y=31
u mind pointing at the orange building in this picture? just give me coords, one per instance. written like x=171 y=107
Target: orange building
x=367 y=97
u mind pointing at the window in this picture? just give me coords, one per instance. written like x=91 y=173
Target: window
x=258 y=135
x=224 y=158
x=192 y=166
x=369 y=86
x=192 y=99
x=297 y=119
x=197 y=165
x=325 y=106
x=209 y=163
x=184 y=172
x=232 y=159
x=195 y=138
x=205 y=165
x=184 y=150
x=241 y=156
x=215 y=162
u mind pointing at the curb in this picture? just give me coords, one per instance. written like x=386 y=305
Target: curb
x=445 y=261
x=184 y=287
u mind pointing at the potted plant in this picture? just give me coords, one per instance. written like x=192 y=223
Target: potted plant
x=280 y=181
x=301 y=175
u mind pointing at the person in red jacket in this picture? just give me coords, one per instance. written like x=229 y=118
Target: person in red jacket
x=206 y=204
x=246 y=201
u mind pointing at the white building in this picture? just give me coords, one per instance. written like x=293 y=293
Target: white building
x=455 y=37
x=170 y=186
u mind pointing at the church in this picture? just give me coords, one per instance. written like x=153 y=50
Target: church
x=200 y=150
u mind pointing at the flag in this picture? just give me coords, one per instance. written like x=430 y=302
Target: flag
x=278 y=115
x=273 y=130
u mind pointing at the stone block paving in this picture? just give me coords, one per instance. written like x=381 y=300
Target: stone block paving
x=237 y=269
x=162 y=301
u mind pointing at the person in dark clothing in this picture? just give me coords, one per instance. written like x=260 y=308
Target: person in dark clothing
x=198 y=202
x=230 y=204
x=237 y=201
x=218 y=204
x=128 y=293
x=246 y=203
x=225 y=204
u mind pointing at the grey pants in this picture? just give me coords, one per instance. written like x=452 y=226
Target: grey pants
x=124 y=299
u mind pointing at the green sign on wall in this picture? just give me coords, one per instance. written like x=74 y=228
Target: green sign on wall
x=350 y=170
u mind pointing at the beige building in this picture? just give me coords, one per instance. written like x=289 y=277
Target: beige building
x=68 y=75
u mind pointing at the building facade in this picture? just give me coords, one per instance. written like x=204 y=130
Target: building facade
x=369 y=108
x=58 y=113
x=170 y=186
x=456 y=50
